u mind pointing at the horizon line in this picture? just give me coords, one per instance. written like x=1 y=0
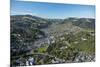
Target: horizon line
x=50 y=17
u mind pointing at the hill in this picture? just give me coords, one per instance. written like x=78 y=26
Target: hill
x=52 y=40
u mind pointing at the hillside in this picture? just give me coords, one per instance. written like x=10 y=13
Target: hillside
x=87 y=23
x=24 y=31
x=51 y=40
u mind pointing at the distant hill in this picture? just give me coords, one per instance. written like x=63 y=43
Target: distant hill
x=87 y=23
x=55 y=20
x=28 y=21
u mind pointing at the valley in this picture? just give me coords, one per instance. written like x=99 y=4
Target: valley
x=47 y=41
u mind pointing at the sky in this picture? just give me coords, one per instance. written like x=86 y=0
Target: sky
x=52 y=10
